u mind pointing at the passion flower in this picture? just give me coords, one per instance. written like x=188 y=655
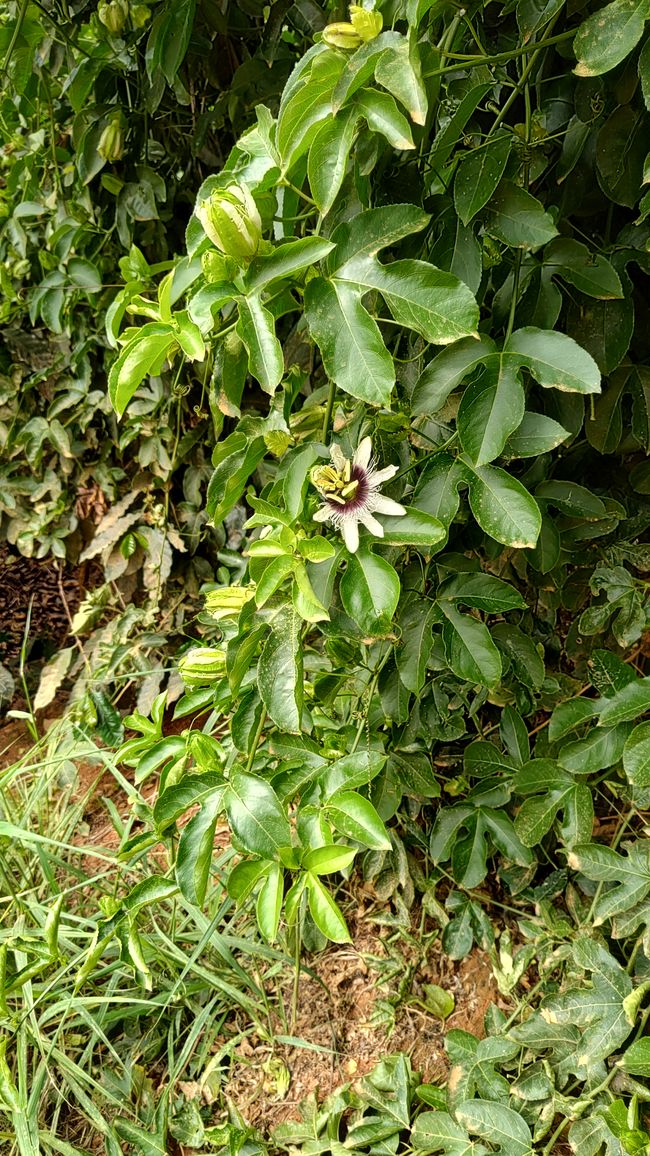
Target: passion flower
x=350 y=490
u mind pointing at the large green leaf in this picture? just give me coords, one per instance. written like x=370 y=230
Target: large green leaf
x=491 y=408
x=306 y=102
x=279 y=672
x=382 y=115
x=351 y=345
x=469 y=649
x=144 y=354
x=609 y=35
x=356 y=817
x=555 y=360
x=291 y=257
x=194 y=857
x=370 y=590
x=597 y=1010
x=503 y=508
x=514 y=216
x=325 y=912
x=258 y=819
x=256 y=328
x=447 y=370
x=478 y=175
x=328 y=158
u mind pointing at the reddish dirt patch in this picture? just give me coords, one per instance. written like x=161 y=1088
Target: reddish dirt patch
x=340 y=1011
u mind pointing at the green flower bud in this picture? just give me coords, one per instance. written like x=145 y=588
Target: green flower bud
x=227 y=601
x=113 y=15
x=230 y=219
x=366 y=24
x=217 y=267
x=342 y=35
x=202 y=665
x=140 y=15
x=111 y=142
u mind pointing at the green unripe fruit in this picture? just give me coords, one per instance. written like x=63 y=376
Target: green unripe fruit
x=113 y=15
x=232 y=222
x=202 y=666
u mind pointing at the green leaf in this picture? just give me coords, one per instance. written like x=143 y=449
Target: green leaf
x=478 y=175
x=608 y=36
x=177 y=799
x=143 y=355
x=325 y=912
x=567 y=716
x=482 y=592
x=636 y=757
x=555 y=360
x=356 y=817
x=370 y=590
x=629 y=876
x=597 y=1010
x=469 y=649
x=279 y=672
x=329 y=859
x=636 y=1060
x=415 y=620
x=436 y=304
x=306 y=101
x=437 y=489
x=194 y=857
x=269 y=902
x=383 y=116
x=591 y=273
x=491 y=408
x=514 y=216
x=503 y=508
x=258 y=819
x=446 y=371
x=351 y=345
x=473 y=1064
x=328 y=158
x=235 y=459
x=601 y=748
x=243 y=878
x=438 y=1132
x=256 y=328
x=526 y=661
x=628 y=703
x=502 y=1127
x=189 y=337
x=399 y=70
x=413 y=528
x=285 y=260
x=536 y=434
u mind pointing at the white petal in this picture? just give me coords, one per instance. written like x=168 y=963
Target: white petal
x=322 y=515
x=350 y=532
x=338 y=457
x=385 y=505
x=363 y=454
x=372 y=524
x=378 y=476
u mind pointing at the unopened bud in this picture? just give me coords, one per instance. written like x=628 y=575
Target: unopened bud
x=140 y=15
x=227 y=601
x=202 y=665
x=342 y=35
x=113 y=15
x=111 y=142
x=366 y=24
x=232 y=222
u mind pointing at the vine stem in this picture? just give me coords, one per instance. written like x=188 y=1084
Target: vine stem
x=329 y=409
x=256 y=740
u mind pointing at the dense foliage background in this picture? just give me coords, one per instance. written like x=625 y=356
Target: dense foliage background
x=234 y=240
